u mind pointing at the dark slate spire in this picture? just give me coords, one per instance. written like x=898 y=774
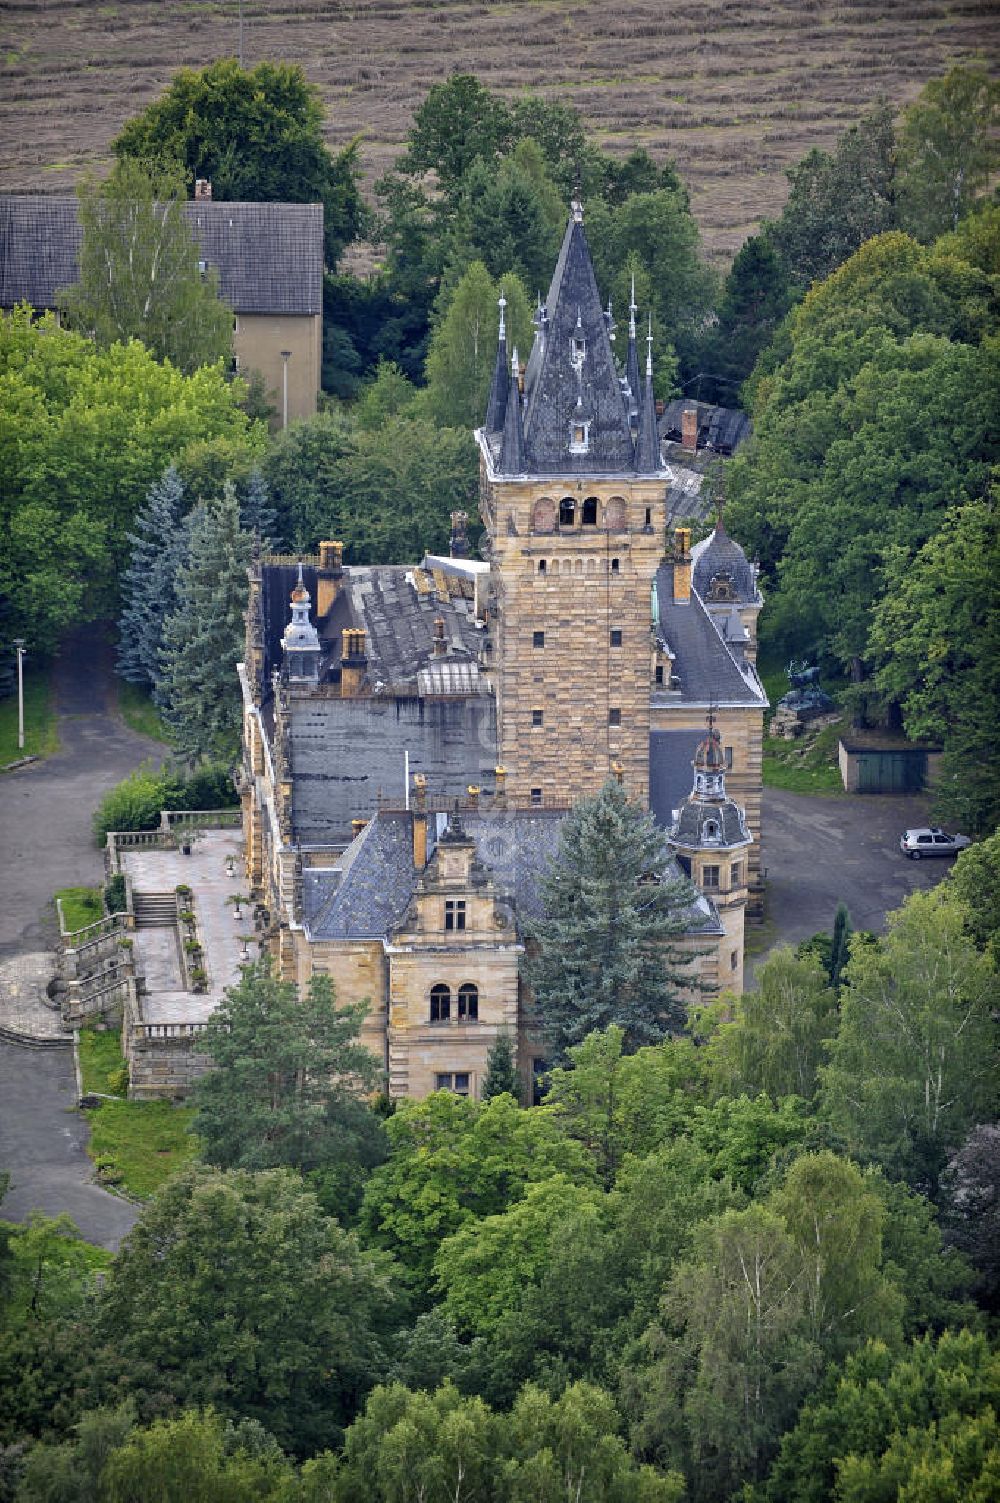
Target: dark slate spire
x=496 y=407
x=512 y=458
x=647 y=443
x=632 y=359
x=575 y=360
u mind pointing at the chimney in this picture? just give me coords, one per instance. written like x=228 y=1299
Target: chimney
x=440 y=645
x=682 y=565
x=473 y=791
x=203 y=189
x=459 y=534
x=357 y=825
x=500 y=797
x=353 y=662
x=689 y=429
x=419 y=817
x=329 y=576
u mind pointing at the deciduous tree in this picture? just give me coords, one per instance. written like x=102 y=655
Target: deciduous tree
x=947 y=149
x=139 y=272
x=233 y=1289
x=463 y=348
x=912 y=1066
x=288 y=1086
x=606 y=947
x=775 y=1042
x=257 y=135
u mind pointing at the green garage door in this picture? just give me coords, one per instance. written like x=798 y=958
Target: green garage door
x=891 y=771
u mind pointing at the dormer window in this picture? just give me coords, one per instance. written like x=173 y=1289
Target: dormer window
x=579 y=436
x=711 y=832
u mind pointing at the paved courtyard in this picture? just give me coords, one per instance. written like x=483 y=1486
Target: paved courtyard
x=821 y=851
x=205 y=872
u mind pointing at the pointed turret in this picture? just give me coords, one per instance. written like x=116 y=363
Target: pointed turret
x=647 y=443
x=512 y=455
x=496 y=407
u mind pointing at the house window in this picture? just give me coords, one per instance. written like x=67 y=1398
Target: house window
x=729 y=759
x=468 y=1002
x=735 y=874
x=616 y=636
x=649 y=516
x=711 y=830
x=541 y=566
x=684 y=862
x=710 y=877
x=454 y=913
x=659 y=673
x=614 y=566
x=537 y=717
x=538 y=639
x=614 y=717
x=536 y=795
x=440 y=1003
x=589 y=518
x=734 y=960
x=567 y=511
x=578 y=346
x=459 y=1083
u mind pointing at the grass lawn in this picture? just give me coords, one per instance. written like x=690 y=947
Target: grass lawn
x=139 y=712
x=136 y=1145
x=101 y=1062
x=804 y=766
x=40 y=736
x=139 y=1144
x=81 y=906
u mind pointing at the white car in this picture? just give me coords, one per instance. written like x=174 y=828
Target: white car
x=931 y=842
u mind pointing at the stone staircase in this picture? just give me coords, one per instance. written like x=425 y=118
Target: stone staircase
x=154 y=910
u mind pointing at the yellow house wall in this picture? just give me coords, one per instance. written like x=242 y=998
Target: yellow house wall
x=258 y=341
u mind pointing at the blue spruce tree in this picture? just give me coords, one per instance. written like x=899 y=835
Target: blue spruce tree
x=159 y=545
x=257 y=515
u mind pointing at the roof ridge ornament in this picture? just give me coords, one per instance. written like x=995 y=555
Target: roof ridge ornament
x=649 y=348
x=632 y=311
x=577 y=207
x=502 y=304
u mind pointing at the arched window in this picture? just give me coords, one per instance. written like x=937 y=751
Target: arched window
x=711 y=830
x=468 y=1002
x=615 y=514
x=541 y=566
x=440 y=1003
x=567 y=512
x=543 y=516
x=589 y=518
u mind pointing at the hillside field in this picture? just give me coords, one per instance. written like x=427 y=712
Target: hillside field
x=735 y=90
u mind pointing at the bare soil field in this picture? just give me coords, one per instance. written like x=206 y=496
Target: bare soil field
x=734 y=90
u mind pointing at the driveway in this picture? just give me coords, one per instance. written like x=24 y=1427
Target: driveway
x=46 y=807
x=822 y=851
x=43 y=1146
x=46 y=840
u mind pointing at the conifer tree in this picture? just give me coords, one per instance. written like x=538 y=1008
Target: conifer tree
x=257 y=515
x=840 y=952
x=159 y=545
x=606 y=945
x=203 y=638
x=501 y=1070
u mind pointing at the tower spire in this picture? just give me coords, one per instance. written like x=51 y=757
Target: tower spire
x=496 y=407
x=647 y=442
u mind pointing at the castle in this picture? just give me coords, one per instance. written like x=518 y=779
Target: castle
x=415 y=735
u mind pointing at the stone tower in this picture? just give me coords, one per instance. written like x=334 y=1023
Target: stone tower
x=711 y=841
x=573 y=498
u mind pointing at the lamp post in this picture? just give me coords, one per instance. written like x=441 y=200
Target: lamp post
x=19 y=645
x=286 y=355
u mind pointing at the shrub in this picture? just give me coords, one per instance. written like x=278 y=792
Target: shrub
x=114 y=893
x=135 y=803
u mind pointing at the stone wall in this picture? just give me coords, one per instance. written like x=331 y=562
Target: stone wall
x=162 y=1062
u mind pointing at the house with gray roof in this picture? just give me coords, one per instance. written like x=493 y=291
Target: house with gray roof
x=268 y=256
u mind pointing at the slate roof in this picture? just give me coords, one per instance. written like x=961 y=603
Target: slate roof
x=690 y=827
x=366 y=895
x=570 y=377
x=720 y=428
x=397 y=605
x=269 y=256
x=704 y=670
x=719 y=554
x=671 y=755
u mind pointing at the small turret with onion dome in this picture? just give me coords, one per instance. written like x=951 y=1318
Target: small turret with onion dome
x=300 y=643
